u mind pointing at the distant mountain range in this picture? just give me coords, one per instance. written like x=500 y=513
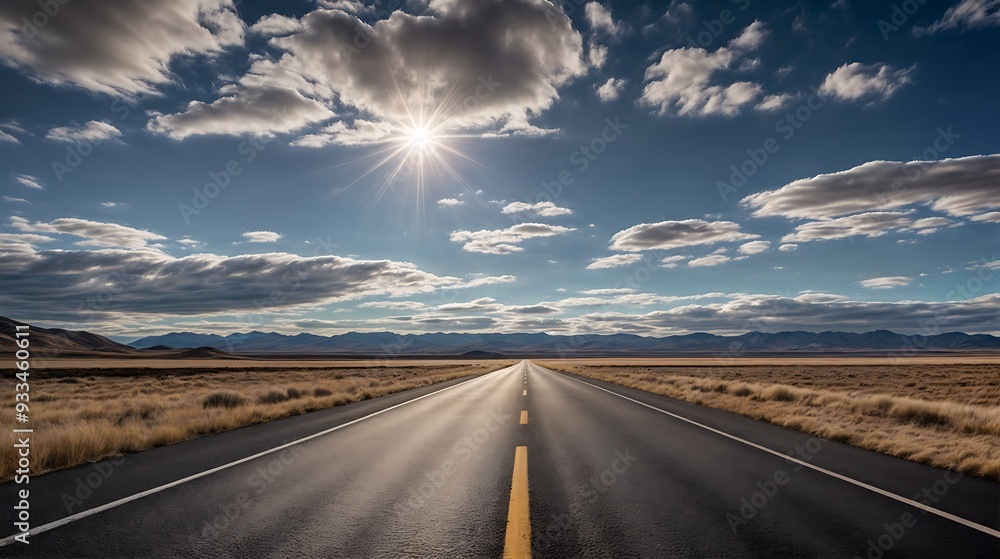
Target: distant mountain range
x=388 y=343
x=368 y=344
x=56 y=342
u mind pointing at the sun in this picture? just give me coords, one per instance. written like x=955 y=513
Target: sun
x=420 y=139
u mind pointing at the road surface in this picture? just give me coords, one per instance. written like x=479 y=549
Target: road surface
x=518 y=462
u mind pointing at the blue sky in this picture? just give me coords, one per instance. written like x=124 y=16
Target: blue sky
x=653 y=168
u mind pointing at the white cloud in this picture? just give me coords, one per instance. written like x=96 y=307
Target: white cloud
x=967 y=14
x=774 y=102
x=710 y=260
x=93 y=131
x=755 y=247
x=263 y=111
x=611 y=89
x=339 y=133
x=600 y=20
x=957 y=187
x=473 y=65
x=887 y=282
x=262 y=236
x=7 y=138
x=680 y=82
x=17 y=242
x=988 y=217
x=30 y=181
x=16 y=200
x=676 y=234
x=855 y=81
x=275 y=25
x=121 y=47
x=110 y=205
x=450 y=202
x=50 y=283
x=597 y=55
x=871 y=224
x=788 y=247
x=540 y=209
x=672 y=261
x=505 y=241
x=95 y=233
x=614 y=261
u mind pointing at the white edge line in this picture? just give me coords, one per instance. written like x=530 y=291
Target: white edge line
x=872 y=488
x=99 y=509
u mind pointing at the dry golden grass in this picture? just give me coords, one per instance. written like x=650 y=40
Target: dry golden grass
x=942 y=415
x=84 y=416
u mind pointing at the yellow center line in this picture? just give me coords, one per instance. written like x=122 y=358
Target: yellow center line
x=524 y=417
x=524 y=393
x=517 y=544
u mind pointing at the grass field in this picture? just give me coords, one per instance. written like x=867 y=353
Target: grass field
x=83 y=416
x=937 y=414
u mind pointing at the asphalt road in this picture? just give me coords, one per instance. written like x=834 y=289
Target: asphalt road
x=601 y=471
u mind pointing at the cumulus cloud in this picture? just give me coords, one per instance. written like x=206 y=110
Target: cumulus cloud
x=597 y=55
x=672 y=261
x=676 y=234
x=871 y=224
x=263 y=111
x=680 y=83
x=94 y=233
x=93 y=131
x=473 y=65
x=957 y=187
x=967 y=14
x=450 y=202
x=505 y=241
x=611 y=89
x=711 y=260
x=30 y=181
x=539 y=209
x=988 y=217
x=262 y=236
x=855 y=81
x=614 y=261
x=360 y=132
x=21 y=242
x=600 y=20
x=755 y=247
x=120 y=47
x=887 y=282
x=788 y=247
x=275 y=25
x=806 y=311
x=774 y=102
x=54 y=283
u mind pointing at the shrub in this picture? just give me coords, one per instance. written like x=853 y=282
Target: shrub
x=272 y=397
x=224 y=399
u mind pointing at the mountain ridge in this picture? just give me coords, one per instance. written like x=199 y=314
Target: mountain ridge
x=443 y=343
